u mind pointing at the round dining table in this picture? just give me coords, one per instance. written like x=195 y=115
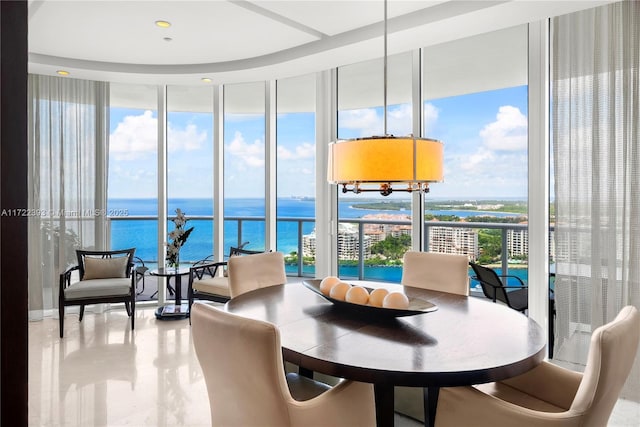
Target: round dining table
x=465 y=341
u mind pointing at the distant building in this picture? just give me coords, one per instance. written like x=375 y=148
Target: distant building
x=309 y=244
x=517 y=243
x=380 y=231
x=348 y=243
x=454 y=240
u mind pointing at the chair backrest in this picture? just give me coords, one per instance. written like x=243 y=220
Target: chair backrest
x=611 y=354
x=250 y=272
x=437 y=271
x=241 y=360
x=492 y=286
x=105 y=264
x=233 y=251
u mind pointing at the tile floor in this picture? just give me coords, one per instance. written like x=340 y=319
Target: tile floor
x=102 y=374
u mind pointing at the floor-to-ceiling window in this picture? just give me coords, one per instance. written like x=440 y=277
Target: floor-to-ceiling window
x=190 y=165
x=475 y=101
x=133 y=165
x=296 y=174
x=244 y=165
x=374 y=231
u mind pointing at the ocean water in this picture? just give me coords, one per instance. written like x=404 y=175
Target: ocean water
x=129 y=231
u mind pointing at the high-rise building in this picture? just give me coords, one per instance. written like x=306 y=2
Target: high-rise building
x=454 y=240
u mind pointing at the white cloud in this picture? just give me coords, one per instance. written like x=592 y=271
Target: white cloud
x=302 y=151
x=366 y=120
x=137 y=136
x=251 y=154
x=508 y=132
x=399 y=120
x=430 y=118
x=495 y=162
x=134 y=137
x=186 y=139
x=478 y=160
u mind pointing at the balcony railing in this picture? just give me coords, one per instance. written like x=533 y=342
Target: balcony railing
x=236 y=233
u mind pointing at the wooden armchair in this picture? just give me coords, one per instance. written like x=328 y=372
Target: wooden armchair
x=104 y=277
x=208 y=279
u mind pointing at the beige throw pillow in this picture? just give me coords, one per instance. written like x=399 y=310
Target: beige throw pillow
x=105 y=268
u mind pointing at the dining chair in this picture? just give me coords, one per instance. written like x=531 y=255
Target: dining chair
x=208 y=279
x=247 y=273
x=247 y=384
x=439 y=272
x=549 y=395
x=436 y=271
x=103 y=277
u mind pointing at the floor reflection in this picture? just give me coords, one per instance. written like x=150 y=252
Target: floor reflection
x=103 y=374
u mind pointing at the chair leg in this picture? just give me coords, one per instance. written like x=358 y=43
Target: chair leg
x=133 y=309
x=305 y=372
x=128 y=308
x=81 y=312
x=61 y=316
x=552 y=328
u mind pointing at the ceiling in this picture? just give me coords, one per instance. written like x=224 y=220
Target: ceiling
x=241 y=41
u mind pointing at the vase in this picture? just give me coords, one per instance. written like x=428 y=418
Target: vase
x=175 y=264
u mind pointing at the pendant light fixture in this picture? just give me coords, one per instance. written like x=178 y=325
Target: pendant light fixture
x=377 y=163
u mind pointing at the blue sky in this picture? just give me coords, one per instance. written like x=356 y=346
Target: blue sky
x=485 y=137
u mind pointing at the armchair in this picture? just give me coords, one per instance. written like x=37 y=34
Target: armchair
x=104 y=277
x=516 y=297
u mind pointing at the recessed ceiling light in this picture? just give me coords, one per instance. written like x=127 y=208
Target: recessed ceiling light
x=63 y=72
x=205 y=80
x=167 y=39
x=163 y=24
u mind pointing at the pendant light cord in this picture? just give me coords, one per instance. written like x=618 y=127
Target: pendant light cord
x=385 y=68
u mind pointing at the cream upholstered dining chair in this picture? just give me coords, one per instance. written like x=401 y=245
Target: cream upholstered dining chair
x=549 y=395
x=440 y=272
x=209 y=280
x=437 y=271
x=247 y=385
x=250 y=272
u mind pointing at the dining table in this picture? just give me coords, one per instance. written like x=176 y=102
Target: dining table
x=461 y=341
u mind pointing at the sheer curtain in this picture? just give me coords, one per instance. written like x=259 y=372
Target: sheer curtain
x=597 y=174
x=68 y=134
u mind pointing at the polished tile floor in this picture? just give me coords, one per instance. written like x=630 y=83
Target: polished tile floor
x=102 y=374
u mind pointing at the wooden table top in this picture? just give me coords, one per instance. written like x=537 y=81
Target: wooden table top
x=466 y=341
